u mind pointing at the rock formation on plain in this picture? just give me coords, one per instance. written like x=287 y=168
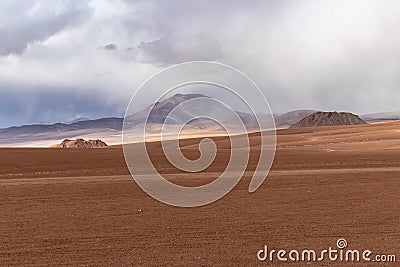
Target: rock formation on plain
x=328 y=119
x=80 y=143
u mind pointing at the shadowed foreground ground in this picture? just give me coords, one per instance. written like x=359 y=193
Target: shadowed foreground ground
x=81 y=207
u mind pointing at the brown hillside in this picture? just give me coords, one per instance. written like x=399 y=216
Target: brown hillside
x=328 y=119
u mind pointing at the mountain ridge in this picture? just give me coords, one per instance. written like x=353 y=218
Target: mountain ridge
x=106 y=127
x=110 y=128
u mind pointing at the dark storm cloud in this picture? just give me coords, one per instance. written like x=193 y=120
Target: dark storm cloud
x=18 y=106
x=26 y=22
x=109 y=46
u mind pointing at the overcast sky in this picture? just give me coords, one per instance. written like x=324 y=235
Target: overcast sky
x=64 y=59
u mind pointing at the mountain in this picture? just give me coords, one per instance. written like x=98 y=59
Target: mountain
x=287 y=119
x=111 y=123
x=109 y=129
x=160 y=110
x=26 y=134
x=328 y=119
x=381 y=116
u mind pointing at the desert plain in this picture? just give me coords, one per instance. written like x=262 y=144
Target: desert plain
x=81 y=207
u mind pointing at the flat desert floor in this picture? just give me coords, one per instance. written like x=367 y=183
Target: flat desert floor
x=82 y=208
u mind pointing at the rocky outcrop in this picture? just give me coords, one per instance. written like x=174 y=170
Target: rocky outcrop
x=328 y=119
x=80 y=143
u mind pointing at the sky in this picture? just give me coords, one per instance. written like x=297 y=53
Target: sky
x=60 y=59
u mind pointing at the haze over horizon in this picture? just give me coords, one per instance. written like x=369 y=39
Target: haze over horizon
x=60 y=60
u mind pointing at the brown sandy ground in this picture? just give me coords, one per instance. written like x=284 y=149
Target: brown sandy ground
x=82 y=208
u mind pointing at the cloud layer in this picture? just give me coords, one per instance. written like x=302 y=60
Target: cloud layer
x=329 y=55
x=173 y=49
x=27 y=22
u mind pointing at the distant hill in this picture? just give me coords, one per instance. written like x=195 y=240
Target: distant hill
x=77 y=120
x=381 y=116
x=328 y=119
x=56 y=131
x=287 y=119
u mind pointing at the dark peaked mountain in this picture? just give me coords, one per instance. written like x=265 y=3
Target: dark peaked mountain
x=160 y=110
x=328 y=119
